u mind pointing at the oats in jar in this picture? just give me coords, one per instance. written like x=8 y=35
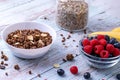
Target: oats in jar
x=72 y=15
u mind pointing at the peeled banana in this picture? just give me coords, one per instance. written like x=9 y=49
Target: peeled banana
x=111 y=34
x=116 y=29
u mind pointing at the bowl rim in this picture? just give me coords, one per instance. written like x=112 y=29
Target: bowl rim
x=53 y=40
x=92 y=57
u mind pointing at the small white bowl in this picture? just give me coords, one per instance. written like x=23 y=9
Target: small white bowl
x=28 y=53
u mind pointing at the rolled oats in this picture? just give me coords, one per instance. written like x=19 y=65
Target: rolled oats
x=72 y=14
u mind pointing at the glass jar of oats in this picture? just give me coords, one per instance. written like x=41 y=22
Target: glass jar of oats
x=72 y=15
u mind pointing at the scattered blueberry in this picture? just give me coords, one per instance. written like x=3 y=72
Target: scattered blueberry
x=118 y=76
x=113 y=41
x=107 y=38
x=87 y=75
x=60 y=72
x=117 y=45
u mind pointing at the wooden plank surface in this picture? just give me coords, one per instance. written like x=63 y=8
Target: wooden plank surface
x=104 y=16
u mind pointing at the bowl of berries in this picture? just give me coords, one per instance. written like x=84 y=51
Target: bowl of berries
x=100 y=51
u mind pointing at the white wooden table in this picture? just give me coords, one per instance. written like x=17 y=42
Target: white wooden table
x=104 y=16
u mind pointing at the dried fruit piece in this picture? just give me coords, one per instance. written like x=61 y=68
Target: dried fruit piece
x=41 y=42
x=15 y=36
x=30 y=37
x=44 y=34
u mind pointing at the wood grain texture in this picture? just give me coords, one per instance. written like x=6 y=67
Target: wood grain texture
x=103 y=16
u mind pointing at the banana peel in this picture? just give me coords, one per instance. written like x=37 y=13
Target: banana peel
x=111 y=34
x=116 y=29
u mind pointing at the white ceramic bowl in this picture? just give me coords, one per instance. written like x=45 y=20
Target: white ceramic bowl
x=28 y=53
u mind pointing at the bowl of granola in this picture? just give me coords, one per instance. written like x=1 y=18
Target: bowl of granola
x=29 y=39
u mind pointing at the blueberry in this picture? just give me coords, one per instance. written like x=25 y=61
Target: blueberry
x=87 y=75
x=92 y=37
x=111 y=55
x=107 y=38
x=117 y=45
x=113 y=41
x=60 y=72
x=118 y=76
x=94 y=54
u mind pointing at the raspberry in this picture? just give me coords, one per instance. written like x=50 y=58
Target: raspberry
x=94 y=42
x=85 y=42
x=104 y=54
x=103 y=42
x=88 y=49
x=74 y=70
x=110 y=48
x=100 y=37
x=116 y=52
x=98 y=49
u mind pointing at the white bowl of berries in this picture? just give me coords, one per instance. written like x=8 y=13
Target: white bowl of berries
x=100 y=51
